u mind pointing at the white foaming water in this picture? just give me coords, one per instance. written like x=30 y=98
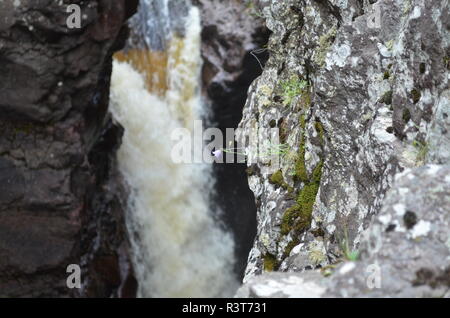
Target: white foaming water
x=179 y=250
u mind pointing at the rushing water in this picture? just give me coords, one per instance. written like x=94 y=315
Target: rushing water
x=179 y=249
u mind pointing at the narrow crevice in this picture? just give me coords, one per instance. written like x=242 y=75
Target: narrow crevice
x=232 y=193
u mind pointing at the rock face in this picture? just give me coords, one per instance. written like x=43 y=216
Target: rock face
x=408 y=242
x=405 y=253
x=230 y=33
x=359 y=92
x=60 y=198
x=283 y=285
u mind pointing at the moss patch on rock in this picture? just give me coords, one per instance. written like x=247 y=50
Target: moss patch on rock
x=325 y=42
x=300 y=172
x=320 y=130
x=270 y=262
x=293 y=243
x=446 y=60
x=298 y=217
x=277 y=178
x=295 y=87
x=249 y=171
x=406 y=116
x=387 y=98
x=415 y=95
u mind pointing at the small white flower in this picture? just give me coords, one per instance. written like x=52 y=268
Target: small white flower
x=217 y=153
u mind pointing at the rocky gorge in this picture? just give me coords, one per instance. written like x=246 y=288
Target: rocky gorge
x=360 y=93
x=358 y=90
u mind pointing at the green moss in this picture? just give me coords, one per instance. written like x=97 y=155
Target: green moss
x=295 y=87
x=422 y=151
x=317 y=172
x=406 y=115
x=293 y=220
x=283 y=135
x=327 y=270
x=283 y=132
x=325 y=42
x=250 y=171
x=415 y=95
x=318 y=232
x=319 y=128
x=289 y=216
x=387 y=98
x=422 y=68
x=273 y=123
x=447 y=62
x=277 y=178
x=270 y=262
x=300 y=171
x=305 y=101
x=386 y=75
x=306 y=199
x=290 y=246
x=298 y=217
x=302 y=121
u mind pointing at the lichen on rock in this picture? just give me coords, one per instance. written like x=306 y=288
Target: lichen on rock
x=377 y=105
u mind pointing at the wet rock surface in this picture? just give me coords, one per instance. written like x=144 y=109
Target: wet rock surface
x=60 y=196
x=359 y=92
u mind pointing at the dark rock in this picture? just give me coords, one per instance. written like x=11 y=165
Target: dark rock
x=60 y=196
x=230 y=33
x=12 y=182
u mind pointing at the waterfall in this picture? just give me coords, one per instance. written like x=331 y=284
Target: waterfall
x=179 y=247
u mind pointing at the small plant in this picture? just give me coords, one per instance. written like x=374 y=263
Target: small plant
x=270 y=263
x=293 y=88
x=253 y=11
x=316 y=256
x=352 y=255
x=270 y=150
x=275 y=149
x=325 y=42
x=327 y=270
x=258 y=51
x=422 y=151
x=348 y=253
x=415 y=95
